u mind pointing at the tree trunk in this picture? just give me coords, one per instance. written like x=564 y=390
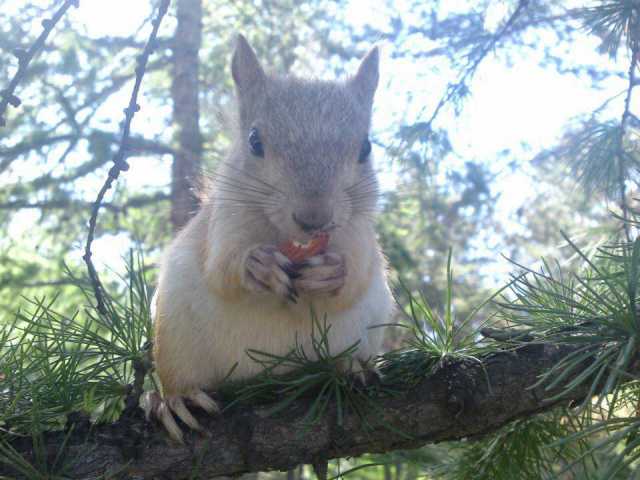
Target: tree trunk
x=398 y=471
x=186 y=112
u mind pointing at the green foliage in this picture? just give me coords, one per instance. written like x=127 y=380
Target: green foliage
x=594 y=310
x=52 y=364
x=615 y=21
x=592 y=153
x=433 y=338
x=43 y=466
x=526 y=449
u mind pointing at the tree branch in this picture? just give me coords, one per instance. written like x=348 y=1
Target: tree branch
x=137 y=146
x=119 y=159
x=40 y=284
x=462 y=399
x=118 y=43
x=8 y=155
x=8 y=96
x=469 y=72
x=68 y=203
x=620 y=148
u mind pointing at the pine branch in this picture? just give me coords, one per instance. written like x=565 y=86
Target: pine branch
x=8 y=96
x=461 y=84
x=119 y=160
x=117 y=81
x=620 y=150
x=67 y=203
x=462 y=399
x=10 y=154
x=137 y=146
x=561 y=20
x=39 y=284
x=118 y=43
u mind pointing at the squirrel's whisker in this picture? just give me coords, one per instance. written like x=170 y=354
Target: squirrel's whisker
x=369 y=179
x=232 y=201
x=367 y=196
x=244 y=193
x=238 y=201
x=240 y=188
x=252 y=177
x=230 y=181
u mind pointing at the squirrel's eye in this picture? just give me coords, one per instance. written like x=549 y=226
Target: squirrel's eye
x=365 y=151
x=255 y=144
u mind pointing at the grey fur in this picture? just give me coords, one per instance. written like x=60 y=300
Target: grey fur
x=312 y=132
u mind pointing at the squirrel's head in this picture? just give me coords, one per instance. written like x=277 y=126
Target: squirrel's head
x=302 y=146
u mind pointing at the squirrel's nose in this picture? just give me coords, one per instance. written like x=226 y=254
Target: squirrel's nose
x=312 y=220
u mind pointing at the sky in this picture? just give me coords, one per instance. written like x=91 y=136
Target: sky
x=523 y=107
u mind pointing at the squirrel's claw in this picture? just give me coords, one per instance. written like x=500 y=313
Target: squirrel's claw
x=322 y=274
x=168 y=422
x=204 y=401
x=268 y=270
x=180 y=409
x=364 y=372
x=164 y=409
x=368 y=373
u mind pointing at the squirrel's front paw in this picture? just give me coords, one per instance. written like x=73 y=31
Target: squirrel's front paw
x=321 y=274
x=268 y=270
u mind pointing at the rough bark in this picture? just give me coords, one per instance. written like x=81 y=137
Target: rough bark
x=186 y=112
x=460 y=400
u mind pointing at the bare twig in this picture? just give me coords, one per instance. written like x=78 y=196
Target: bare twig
x=119 y=160
x=8 y=96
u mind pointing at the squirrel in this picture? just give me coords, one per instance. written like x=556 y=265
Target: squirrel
x=299 y=163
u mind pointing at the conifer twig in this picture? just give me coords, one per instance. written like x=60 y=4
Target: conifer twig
x=461 y=84
x=65 y=204
x=626 y=115
x=8 y=96
x=119 y=160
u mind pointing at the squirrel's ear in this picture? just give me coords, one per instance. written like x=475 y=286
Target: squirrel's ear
x=245 y=68
x=365 y=82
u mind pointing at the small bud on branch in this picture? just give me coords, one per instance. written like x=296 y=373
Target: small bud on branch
x=8 y=96
x=119 y=162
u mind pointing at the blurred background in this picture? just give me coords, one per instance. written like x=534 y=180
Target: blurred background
x=477 y=119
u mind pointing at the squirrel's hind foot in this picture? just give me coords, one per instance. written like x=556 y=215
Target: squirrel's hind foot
x=163 y=409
